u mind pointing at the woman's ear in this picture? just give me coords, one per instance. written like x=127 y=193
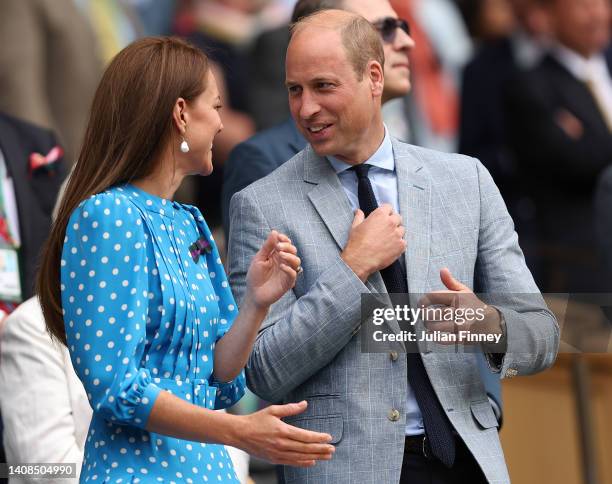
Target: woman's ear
x=377 y=78
x=179 y=115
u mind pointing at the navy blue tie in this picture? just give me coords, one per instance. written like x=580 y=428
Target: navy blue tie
x=438 y=429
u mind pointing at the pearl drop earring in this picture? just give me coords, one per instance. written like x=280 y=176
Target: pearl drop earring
x=184 y=146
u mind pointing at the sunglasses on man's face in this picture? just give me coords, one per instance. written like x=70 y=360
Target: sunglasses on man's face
x=388 y=26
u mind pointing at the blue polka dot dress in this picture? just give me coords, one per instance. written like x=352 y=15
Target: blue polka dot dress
x=143 y=316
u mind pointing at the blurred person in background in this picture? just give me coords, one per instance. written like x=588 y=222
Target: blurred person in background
x=516 y=44
x=488 y=20
x=32 y=168
x=49 y=66
x=44 y=406
x=560 y=128
x=429 y=117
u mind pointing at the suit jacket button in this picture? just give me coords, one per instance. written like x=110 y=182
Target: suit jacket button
x=511 y=372
x=393 y=355
x=394 y=415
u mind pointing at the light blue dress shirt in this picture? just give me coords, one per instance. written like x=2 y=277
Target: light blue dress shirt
x=384 y=183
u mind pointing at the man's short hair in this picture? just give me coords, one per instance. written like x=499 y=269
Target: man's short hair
x=360 y=39
x=304 y=8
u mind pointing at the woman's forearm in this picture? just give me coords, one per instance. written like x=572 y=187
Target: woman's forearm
x=180 y=419
x=233 y=350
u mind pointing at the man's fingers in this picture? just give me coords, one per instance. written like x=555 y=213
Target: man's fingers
x=359 y=217
x=438 y=298
x=450 y=282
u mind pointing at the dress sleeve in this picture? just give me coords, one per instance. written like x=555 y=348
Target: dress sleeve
x=228 y=393
x=104 y=283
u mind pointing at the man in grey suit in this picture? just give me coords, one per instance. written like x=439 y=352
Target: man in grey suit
x=441 y=223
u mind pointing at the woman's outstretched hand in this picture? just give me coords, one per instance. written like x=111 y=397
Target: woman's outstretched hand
x=266 y=436
x=273 y=270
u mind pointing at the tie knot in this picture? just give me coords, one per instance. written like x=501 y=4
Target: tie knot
x=361 y=170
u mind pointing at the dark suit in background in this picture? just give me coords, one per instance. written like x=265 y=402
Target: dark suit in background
x=603 y=223
x=483 y=127
x=563 y=167
x=261 y=155
x=257 y=157
x=35 y=193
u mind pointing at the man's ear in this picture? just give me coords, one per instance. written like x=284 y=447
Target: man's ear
x=377 y=78
x=179 y=115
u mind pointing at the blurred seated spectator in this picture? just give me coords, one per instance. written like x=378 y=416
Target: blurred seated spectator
x=488 y=20
x=559 y=122
x=31 y=172
x=46 y=412
x=500 y=56
x=49 y=66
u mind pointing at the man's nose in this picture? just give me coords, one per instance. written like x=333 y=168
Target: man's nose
x=403 y=41
x=309 y=106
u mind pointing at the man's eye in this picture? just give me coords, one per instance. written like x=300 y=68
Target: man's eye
x=324 y=85
x=294 y=89
x=218 y=107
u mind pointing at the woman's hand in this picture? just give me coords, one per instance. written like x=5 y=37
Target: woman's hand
x=273 y=270
x=264 y=435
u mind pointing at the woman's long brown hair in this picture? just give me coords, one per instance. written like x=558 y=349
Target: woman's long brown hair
x=129 y=127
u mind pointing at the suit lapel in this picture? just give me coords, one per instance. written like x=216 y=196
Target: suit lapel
x=576 y=95
x=414 y=189
x=332 y=205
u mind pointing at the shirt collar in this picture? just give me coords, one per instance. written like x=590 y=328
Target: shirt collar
x=148 y=201
x=382 y=157
x=580 y=67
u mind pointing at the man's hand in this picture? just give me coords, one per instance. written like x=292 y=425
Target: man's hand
x=461 y=297
x=374 y=242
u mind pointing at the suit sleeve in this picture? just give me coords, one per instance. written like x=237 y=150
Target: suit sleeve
x=532 y=333
x=302 y=335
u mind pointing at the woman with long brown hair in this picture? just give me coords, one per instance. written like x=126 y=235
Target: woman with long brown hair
x=132 y=283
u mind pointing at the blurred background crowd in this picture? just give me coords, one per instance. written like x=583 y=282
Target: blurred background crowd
x=523 y=85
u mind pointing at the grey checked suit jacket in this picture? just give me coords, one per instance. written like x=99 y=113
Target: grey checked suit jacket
x=309 y=345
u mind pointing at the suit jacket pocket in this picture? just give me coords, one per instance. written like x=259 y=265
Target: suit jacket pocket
x=329 y=424
x=483 y=414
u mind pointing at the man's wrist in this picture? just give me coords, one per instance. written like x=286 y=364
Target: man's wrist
x=354 y=264
x=497 y=327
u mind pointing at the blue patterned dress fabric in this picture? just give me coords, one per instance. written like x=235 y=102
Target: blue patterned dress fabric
x=143 y=316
